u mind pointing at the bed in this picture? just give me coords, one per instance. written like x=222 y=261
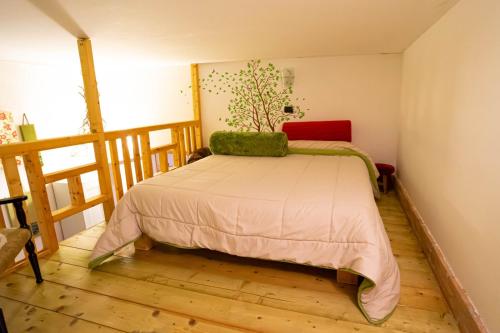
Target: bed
x=315 y=206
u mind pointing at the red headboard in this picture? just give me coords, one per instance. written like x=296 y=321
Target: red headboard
x=332 y=130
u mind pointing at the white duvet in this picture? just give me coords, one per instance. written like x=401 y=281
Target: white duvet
x=314 y=210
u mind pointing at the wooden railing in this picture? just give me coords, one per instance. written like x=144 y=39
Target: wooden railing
x=185 y=137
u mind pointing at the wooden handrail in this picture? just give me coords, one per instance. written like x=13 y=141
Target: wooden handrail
x=62 y=213
x=183 y=142
x=163 y=148
x=185 y=138
x=21 y=148
x=145 y=129
x=71 y=172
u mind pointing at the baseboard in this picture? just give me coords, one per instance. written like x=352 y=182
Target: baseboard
x=460 y=303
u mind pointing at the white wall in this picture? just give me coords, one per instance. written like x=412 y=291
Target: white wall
x=47 y=94
x=138 y=96
x=449 y=146
x=364 y=89
x=142 y=96
x=130 y=97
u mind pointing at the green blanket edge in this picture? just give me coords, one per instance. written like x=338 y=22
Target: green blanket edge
x=343 y=152
x=367 y=283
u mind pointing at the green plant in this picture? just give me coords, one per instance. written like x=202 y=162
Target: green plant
x=85 y=124
x=258 y=97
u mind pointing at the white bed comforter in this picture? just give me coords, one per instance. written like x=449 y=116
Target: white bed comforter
x=314 y=210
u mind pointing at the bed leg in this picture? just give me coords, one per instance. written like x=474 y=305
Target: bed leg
x=144 y=243
x=346 y=277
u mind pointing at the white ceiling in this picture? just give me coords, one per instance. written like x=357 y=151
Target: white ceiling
x=185 y=31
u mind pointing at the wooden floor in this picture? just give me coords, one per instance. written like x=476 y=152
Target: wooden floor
x=171 y=290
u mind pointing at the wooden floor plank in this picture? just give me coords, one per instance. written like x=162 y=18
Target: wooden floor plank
x=229 y=312
x=229 y=280
x=320 y=304
x=93 y=307
x=227 y=292
x=23 y=317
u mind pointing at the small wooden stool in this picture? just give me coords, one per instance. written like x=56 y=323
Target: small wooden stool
x=386 y=171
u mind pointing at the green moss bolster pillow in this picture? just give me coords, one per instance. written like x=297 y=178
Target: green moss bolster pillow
x=249 y=143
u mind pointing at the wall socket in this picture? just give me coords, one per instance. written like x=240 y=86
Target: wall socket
x=35 y=228
x=288 y=109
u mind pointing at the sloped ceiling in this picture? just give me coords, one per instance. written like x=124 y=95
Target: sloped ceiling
x=185 y=31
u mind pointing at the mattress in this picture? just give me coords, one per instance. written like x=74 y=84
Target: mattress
x=307 y=209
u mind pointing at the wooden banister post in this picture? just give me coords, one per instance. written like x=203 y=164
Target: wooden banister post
x=182 y=146
x=137 y=159
x=163 y=155
x=90 y=85
x=40 y=200
x=146 y=156
x=177 y=153
x=76 y=191
x=12 y=177
x=195 y=88
x=95 y=120
x=115 y=163
x=2 y=220
x=127 y=163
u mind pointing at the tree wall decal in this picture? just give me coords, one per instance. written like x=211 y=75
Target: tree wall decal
x=258 y=97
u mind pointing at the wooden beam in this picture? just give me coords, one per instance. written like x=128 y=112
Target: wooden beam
x=2 y=220
x=75 y=188
x=146 y=156
x=127 y=163
x=12 y=176
x=68 y=173
x=67 y=211
x=182 y=146
x=90 y=85
x=194 y=143
x=101 y=158
x=95 y=120
x=115 y=163
x=164 y=148
x=145 y=129
x=188 y=140
x=163 y=161
x=40 y=200
x=20 y=148
x=195 y=88
x=137 y=159
x=175 y=141
x=14 y=184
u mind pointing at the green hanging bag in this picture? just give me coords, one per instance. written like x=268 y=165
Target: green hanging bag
x=28 y=132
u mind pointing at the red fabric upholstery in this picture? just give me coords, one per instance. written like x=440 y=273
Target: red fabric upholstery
x=332 y=130
x=385 y=169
